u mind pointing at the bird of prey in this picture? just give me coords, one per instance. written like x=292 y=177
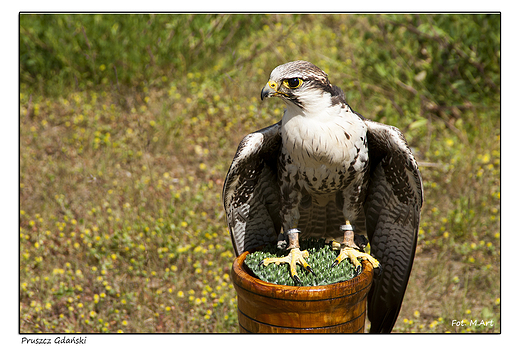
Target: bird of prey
x=324 y=171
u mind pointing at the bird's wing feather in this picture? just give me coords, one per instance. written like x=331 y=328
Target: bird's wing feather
x=392 y=211
x=251 y=193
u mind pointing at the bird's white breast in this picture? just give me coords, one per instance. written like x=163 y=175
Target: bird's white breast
x=323 y=146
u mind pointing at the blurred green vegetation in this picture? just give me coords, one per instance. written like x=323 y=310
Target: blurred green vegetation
x=128 y=124
x=59 y=52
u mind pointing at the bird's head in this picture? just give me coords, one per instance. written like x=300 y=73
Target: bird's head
x=299 y=83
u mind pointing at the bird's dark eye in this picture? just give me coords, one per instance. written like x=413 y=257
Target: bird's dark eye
x=293 y=83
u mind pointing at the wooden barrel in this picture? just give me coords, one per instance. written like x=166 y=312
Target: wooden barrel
x=268 y=308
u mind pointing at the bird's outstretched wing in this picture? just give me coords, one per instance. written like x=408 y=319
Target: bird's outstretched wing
x=251 y=191
x=392 y=210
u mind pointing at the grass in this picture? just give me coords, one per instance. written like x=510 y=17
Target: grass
x=321 y=257
x=123 y=157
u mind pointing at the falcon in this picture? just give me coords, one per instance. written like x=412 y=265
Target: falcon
x=324 y=171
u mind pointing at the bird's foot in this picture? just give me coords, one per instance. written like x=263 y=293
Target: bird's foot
x=347 y=251
x=295 y=257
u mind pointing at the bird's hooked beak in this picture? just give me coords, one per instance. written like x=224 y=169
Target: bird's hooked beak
x=269 y=90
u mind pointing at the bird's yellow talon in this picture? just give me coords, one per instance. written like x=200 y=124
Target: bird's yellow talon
x=335 y=245
x=353 y=255
x=294 y=258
